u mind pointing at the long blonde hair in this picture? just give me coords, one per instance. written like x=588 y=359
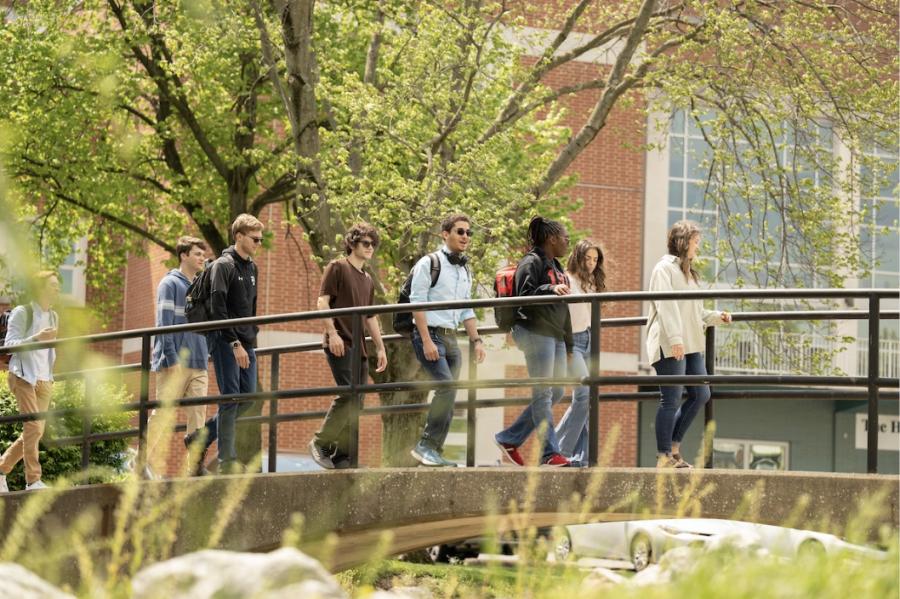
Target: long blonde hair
x=680 y=236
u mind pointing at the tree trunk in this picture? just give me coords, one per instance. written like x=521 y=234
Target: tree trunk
x=399 y=432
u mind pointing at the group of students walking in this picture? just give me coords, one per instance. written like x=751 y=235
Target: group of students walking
x=555 y=340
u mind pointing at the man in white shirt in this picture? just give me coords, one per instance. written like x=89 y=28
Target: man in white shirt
x=31 y=375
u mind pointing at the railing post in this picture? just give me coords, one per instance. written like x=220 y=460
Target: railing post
x=872 y=377
x=273 y=411
x=708 y=409
x=594 y=397
x=144 y=398
x=355 y=397
x=470 y=407
x=86 y=420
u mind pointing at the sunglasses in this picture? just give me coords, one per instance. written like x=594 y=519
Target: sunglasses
x=467 y=232
x=368 y=244
x=256 y=240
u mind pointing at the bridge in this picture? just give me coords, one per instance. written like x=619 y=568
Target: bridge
x=423 y=507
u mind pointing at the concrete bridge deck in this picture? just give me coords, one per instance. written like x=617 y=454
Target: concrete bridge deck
x=423 y=507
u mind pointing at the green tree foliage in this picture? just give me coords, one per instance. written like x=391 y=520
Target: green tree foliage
x=65 y=460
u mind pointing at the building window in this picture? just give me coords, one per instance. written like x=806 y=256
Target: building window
x=71 y=273
x=741 y=454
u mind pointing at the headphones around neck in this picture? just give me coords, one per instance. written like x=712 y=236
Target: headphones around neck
x=456 y=259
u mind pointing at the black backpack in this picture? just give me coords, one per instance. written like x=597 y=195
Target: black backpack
x=197 y=307
x=403 y=321
x=4 y=327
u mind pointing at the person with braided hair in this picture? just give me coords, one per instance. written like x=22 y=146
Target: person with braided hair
x=544 y=333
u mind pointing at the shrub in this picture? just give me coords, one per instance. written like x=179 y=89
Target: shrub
x=57 y=461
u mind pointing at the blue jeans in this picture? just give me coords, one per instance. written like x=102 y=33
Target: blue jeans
x=545 y=357
x=231 y=379
x=572 y=431
x=672 y=417
x=445 y=368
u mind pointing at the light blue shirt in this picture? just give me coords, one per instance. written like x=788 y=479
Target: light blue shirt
x=454 y=283
x=25 y=364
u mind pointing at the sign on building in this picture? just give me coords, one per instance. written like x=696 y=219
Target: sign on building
x=888 y=432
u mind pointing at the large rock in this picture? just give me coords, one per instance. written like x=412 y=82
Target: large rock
x=231 y=575
x=21 y=583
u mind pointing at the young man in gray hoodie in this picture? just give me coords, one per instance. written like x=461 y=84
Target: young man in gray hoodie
x=179 y=359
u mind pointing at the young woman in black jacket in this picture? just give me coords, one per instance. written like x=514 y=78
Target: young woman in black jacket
x=544 y=334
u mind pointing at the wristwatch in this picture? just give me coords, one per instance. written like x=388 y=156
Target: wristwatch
x=235 y=344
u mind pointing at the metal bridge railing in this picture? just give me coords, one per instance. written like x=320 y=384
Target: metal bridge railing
x=871 y=387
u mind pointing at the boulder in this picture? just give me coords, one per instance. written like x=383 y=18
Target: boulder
x=216 y=574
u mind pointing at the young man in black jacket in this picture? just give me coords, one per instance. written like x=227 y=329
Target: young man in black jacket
x=233 y=283
x=544 y=334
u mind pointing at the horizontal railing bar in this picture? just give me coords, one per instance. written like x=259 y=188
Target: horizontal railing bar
x=476 y=303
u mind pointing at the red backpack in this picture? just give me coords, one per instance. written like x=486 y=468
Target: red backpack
x=505 y=286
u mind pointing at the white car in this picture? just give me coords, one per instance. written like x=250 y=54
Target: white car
x=642 y=542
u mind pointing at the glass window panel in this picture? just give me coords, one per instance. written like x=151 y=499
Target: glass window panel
x=676 y=194
x=678 y=122
x=885 y=281
x=704 y=118
x=66 y=283
x=889 y=183
x=728 y=274
x=887 y=214
x=728 y=455
x=696 y=198
x=674 y=217
x=766 y=457
x=698 y=159
x=676 y=157
x=887 y=247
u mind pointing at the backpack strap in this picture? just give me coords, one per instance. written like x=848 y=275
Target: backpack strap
x=29 y=317
x=435 y=268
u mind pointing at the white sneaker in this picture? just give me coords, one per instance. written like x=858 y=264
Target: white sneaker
x=36 y=485
x=4 y=488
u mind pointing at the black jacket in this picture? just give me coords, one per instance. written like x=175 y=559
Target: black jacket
x=536 y=275
x=233 y=294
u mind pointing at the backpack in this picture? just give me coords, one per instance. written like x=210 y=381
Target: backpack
x=4 y=327
x=505 y=286
x=197 y=307
x=403 y=321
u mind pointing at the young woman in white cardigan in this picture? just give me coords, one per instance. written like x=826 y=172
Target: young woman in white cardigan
x=675 y=341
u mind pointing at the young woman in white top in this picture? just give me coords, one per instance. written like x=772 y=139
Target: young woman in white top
x=586 y=275
x=675 y=341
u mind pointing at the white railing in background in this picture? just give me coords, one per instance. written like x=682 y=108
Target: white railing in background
x=741 y=351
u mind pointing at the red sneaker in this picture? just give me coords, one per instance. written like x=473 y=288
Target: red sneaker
x=511 y=452
x=557 y=461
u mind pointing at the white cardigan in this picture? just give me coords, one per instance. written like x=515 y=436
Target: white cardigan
x=676 y=321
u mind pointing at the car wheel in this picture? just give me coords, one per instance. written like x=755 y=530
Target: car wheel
x=563 y=548
x=641 y=552
x=438 y=554
x=810 y=547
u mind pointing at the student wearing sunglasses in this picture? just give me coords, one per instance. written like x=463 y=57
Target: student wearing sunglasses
x=434 y=336
x=346 y=285
x=234 y=280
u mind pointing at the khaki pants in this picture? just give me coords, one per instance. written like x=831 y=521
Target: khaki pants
x=31 y=399
x=173 y=384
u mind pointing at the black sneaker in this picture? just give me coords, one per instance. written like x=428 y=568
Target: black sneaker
x=341 y=462
x=319 y=456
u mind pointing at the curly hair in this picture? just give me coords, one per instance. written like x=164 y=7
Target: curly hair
x=590 y=281
x=356 y=233
x=680 y=236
